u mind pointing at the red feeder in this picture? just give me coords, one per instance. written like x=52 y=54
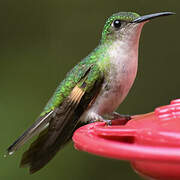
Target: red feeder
x=151 y=142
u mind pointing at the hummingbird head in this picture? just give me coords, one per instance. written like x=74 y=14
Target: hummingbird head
x=127 y=26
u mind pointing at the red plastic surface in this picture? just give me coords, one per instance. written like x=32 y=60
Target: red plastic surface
x=151 y=142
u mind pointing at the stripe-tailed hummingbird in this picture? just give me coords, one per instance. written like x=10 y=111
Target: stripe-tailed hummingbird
x=90 y=92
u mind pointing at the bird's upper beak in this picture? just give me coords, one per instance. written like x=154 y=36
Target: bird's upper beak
x=151 y=16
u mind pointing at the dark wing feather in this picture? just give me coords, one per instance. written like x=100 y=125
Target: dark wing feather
x=32 y=131
x=63 y=124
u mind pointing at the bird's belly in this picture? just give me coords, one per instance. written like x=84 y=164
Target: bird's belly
x=114 y=92
x=109 y=100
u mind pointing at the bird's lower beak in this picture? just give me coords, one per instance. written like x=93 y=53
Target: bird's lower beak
x=151 y=16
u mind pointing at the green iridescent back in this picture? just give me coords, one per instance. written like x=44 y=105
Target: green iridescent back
x=74 y=76
x=98 y=58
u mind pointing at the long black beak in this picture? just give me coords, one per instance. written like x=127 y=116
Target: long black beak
x=152 y=16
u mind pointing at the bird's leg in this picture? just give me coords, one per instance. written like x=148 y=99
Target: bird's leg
x=115 y=115
x=121 y=118
x=94 y=117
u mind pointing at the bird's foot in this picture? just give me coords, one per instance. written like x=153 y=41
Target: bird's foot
x=121 y=118
x=93 y=117
x=115 y=115
x=107 y=121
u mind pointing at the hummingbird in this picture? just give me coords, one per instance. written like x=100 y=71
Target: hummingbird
x=90 y=92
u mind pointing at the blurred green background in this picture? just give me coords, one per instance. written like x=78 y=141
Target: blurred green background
x=41 y=40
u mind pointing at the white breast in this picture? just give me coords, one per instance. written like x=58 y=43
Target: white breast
x=120 y=78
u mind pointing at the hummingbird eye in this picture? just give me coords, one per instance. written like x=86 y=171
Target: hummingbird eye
x=117 y=23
